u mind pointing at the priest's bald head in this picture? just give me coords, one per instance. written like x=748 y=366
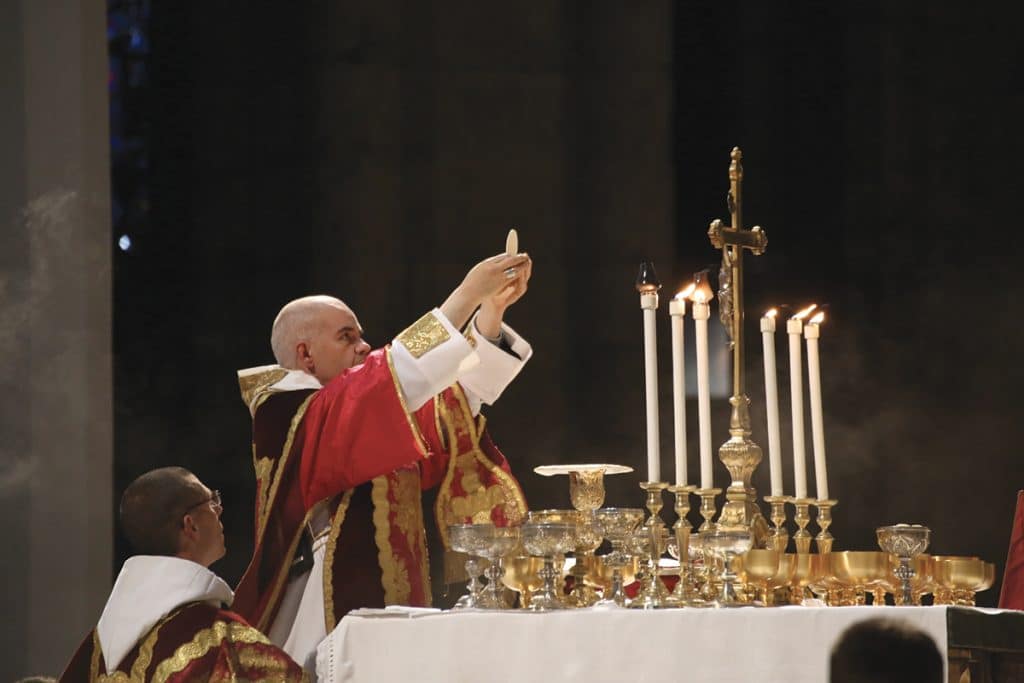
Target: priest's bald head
x=168 y=511
x=319 y=335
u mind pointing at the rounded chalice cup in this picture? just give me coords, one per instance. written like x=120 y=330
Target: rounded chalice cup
x=728 y=544
x=616 y=524
x=858 y=572
x=522 y=574
x=548 y=539
x=501 y=541
x=905 y=541
x=957 y=579
x=470 y=539
x=759 y=568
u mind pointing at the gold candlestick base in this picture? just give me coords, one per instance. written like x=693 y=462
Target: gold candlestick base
x=778 y=535
x=685 y=590
x=802 y=537
x=653 y=593
x=707 y=508
x=824 y=539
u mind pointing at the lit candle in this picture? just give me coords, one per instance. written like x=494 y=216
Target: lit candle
x=811 y=334
x=701 y=297
x=794 y=327
x=677 y=310
x=647 y=284
x=771 y=391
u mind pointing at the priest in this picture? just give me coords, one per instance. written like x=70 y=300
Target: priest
x=165 y=618
x=345 y=438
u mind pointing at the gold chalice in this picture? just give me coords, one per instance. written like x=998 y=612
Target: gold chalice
x=957 y=579
x=522 y=574
x=857 y=572
x=759 y=568
x=600 y=573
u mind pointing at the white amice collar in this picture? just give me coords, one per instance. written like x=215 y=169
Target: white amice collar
x=149 y=588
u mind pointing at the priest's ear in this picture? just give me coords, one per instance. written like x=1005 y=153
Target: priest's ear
x=304 y=358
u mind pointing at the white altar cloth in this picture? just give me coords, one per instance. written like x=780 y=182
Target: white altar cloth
x=723 y=645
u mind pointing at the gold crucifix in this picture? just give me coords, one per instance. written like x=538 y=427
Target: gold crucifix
x=740 y=455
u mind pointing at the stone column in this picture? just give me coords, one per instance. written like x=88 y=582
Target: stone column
x=55 y=330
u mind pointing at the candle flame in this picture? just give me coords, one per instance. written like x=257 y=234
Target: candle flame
x=702 y=292
x=804 y=313
x=817 y=320
x=772 y=312
x=686 y=291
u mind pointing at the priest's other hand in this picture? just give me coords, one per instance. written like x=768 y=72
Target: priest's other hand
x=493 y=308
x=486 y=280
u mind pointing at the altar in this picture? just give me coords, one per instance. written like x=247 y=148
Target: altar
x=743 y=644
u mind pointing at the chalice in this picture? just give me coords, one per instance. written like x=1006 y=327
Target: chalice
x=616 y=524
x=471 y=540
x=548 y=539
x=905 y=541
x=728 y=543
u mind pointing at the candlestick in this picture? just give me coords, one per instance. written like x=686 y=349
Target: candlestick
x=702 y=294
x=683 y=592
x=653 y=592
x=824 y=539
x=647 y=285
x=802 y=537
x=811 y=334
x=778 y=535
x=677 y=310
x=771 y=391
x=794 y=327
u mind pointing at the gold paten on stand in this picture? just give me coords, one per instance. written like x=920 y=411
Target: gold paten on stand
x=739 y=454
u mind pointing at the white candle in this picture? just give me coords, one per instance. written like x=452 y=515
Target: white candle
x=701 y=312
x=811 y=334
x=771 y=390
x=649 y=304
x=677 y=310
x=794 y=327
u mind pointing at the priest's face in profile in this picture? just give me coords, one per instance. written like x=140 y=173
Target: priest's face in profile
x=336 y=343
x=202 y=532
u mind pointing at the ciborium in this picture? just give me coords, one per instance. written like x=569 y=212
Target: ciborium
x=616 y=524
x=905 y=541
x=728 y=544
x=548 y=539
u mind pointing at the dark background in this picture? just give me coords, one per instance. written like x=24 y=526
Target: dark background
x=376 y=150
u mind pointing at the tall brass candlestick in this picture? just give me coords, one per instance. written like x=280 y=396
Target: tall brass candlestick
x=740 y=455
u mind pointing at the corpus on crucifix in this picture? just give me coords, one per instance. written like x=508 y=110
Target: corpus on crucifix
x=739 y=453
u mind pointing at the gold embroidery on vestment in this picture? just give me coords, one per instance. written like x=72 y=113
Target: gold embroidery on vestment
x=203 y=642
x=282 y=461
x=332 y=543
x=282 y=572
x=417 y=436
x=257 y=383
x=423 y=335
x=142 y=660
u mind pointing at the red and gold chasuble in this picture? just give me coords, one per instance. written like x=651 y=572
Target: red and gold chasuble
x=354 y=448
x=196 y=643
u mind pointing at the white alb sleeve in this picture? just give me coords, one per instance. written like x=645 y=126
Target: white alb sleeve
x=429 y=372
x=496 y=369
